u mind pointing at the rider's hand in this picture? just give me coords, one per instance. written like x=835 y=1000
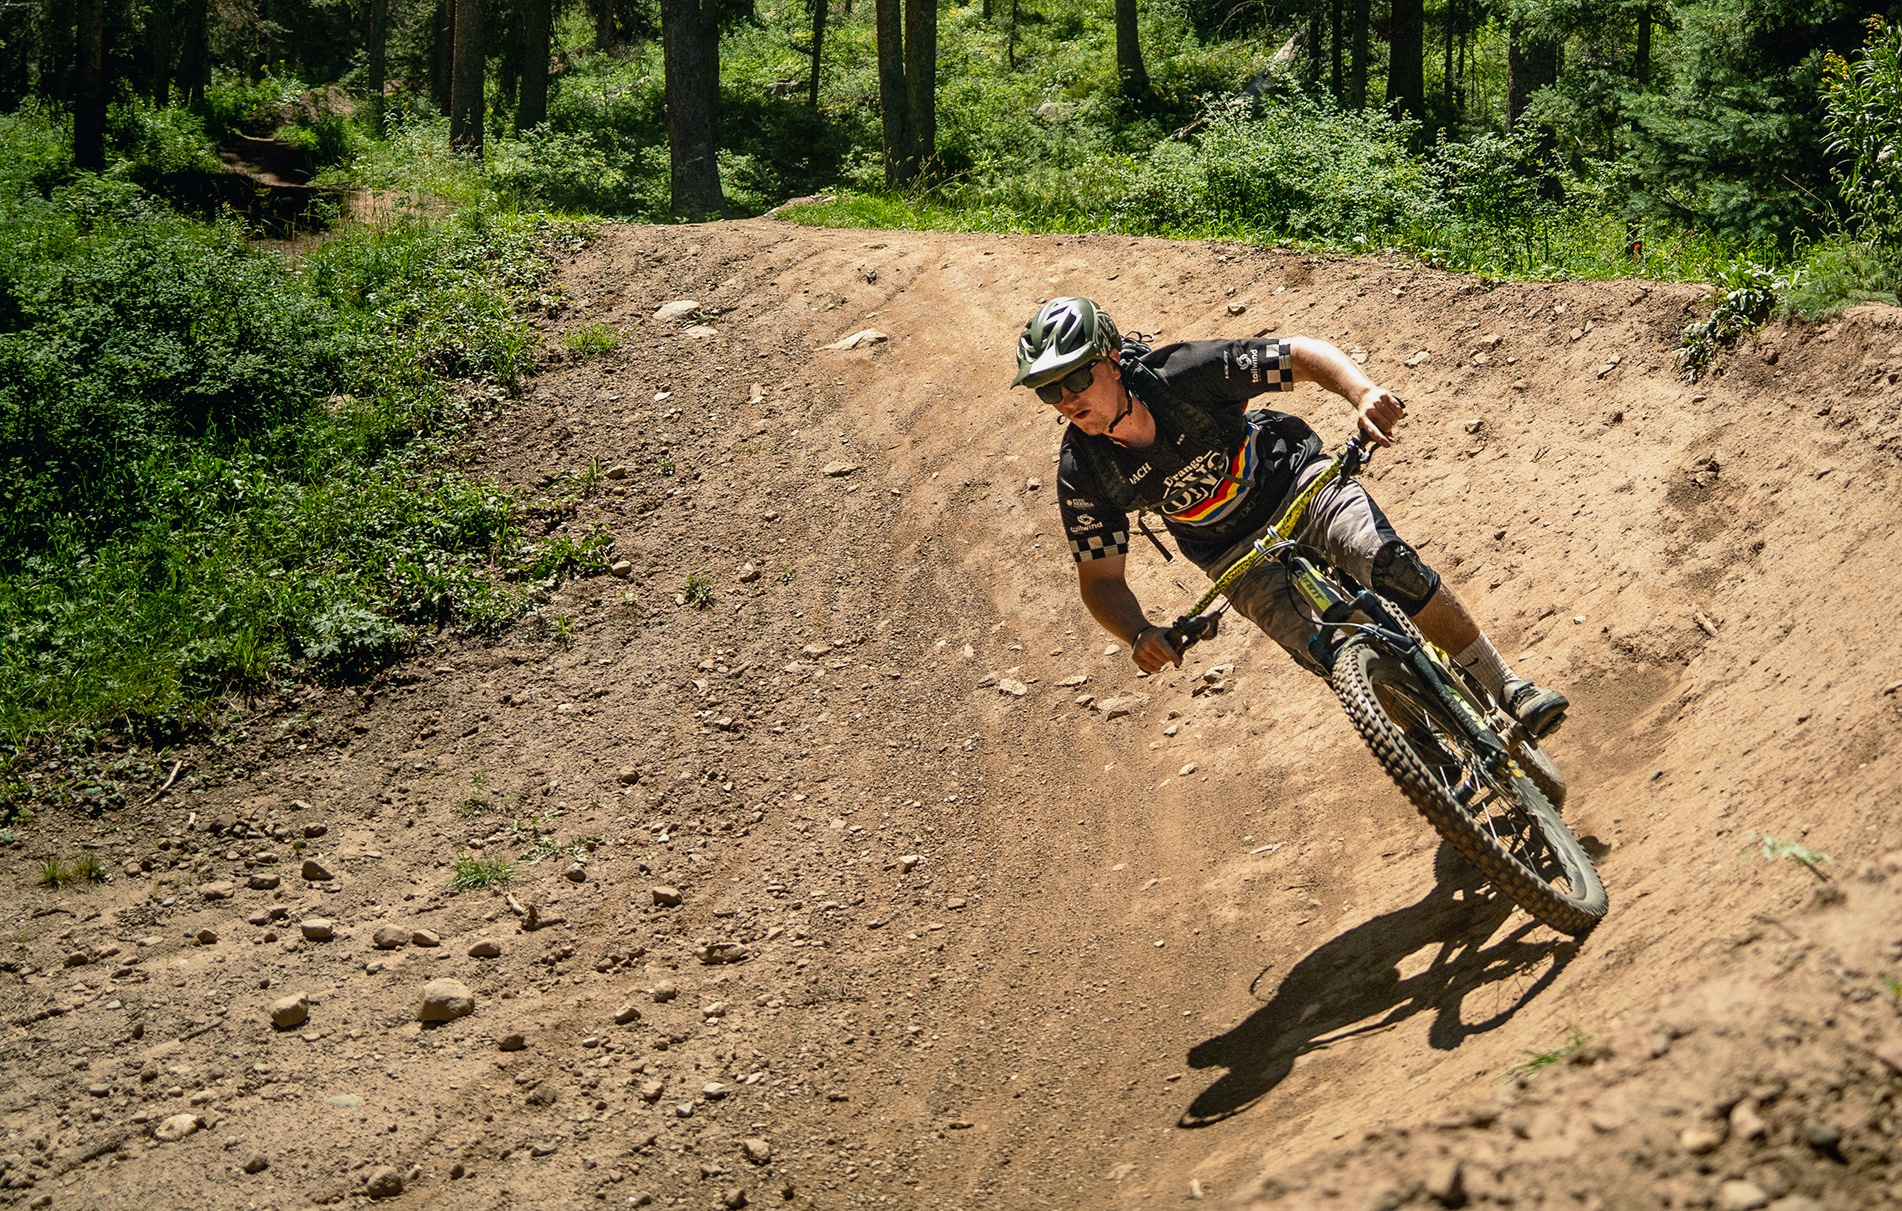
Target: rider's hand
x=1380 y=411
x=1151 y=650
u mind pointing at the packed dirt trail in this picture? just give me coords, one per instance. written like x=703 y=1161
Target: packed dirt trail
x=970 y=915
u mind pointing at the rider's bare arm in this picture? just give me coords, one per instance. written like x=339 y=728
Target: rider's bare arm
x=1321 y=363
x=1106 y=594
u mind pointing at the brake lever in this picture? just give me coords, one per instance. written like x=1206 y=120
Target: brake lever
x=1189 y=631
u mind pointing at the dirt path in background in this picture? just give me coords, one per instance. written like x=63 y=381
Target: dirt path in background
x=1112 y=941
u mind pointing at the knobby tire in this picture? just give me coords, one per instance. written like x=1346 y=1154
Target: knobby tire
x=1544 y=869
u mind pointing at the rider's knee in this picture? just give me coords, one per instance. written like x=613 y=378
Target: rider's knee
x=1401 y=576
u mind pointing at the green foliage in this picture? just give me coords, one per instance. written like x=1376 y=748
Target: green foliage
x=698 y=591
x=590 y=339
x=1745 y=298
x=1302 y=169
x=1538 y=1061
x=1837 y=273
x=225 y=470
x=474 y=873
x=1864 y=121
x=1772 y=849
x=53 y=874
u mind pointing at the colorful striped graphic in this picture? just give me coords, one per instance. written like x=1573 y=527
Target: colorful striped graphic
x=1227 y=494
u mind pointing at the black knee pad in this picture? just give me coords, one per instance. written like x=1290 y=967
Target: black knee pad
x=1402 y=577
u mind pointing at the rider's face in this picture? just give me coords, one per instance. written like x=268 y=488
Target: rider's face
x=1094 y=408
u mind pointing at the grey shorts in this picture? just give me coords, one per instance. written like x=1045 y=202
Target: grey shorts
x=1343 y=521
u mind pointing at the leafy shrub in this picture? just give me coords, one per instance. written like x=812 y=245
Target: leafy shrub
x=159 y=142
x=1864 y=120
x=1303 y=169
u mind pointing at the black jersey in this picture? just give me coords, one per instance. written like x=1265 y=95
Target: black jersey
x=1216 y=470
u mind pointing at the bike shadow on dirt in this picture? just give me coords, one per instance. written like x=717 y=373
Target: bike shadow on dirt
x=1352 y=986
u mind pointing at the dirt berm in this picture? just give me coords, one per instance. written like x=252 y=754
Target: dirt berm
x=969 y=915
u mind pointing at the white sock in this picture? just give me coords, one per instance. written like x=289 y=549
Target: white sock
x=1483 y=661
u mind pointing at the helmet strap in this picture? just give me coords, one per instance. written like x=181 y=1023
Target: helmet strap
x=1128 y=405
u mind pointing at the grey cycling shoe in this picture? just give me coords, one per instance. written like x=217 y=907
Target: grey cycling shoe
x=1540 y=710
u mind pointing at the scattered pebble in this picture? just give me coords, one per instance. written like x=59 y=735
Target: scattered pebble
x=626 y=1015
x=665 y=991
x=485 y=948
x=257 y=1162
x=314 y=871
x=511 y=1042
x=757 y=1150
x=425 y=938
x=445 y=1001
x=384 y=1182
x=390 y=937
x=288 y=1013
x=666 y=897
x=176 y=1127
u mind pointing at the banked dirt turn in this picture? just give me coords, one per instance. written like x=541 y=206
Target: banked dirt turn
x=968 y=914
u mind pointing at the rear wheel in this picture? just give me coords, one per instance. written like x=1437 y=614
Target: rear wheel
x=1497 y=820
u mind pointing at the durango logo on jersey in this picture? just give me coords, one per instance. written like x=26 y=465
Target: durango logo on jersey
x=1195 y=483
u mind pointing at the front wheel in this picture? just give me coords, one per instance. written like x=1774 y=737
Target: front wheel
x=1497 y=820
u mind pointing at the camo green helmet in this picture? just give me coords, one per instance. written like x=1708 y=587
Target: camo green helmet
x=1064 y=334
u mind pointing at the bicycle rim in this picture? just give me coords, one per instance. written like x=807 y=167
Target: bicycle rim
x=1500 y=822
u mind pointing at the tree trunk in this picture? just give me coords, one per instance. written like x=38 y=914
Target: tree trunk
x=1641 y=62
x=686 y=29
x=89 y=103
x=894 y=99
x=606 y=35
x=1406 y=62
x=1446 y=73
x=466 y=102
x=1314 y=35
x=1010 y=43
x=161 y=42
x=921 y=82
x=1334 y=83
x=1532 y=63
x=378 y=65
x=1129 y=53
x=533 y=109
x=987 y=10
x=443 y=70
x=1358 y=16
x=818 y=48
x=194 y=70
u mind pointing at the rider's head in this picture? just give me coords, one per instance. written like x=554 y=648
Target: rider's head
x=1057 y=356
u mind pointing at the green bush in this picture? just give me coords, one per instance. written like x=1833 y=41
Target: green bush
x=1302 y=169
x=225 y=470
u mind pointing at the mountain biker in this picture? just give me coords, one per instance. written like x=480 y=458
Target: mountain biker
x=1166 y=430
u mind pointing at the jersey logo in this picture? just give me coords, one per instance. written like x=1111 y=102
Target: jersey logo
x=1136 y=476
x=1084 y=521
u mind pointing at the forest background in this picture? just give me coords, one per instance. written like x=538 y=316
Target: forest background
x=230 y=467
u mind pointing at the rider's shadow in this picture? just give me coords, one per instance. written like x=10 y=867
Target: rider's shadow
x=1352 y=986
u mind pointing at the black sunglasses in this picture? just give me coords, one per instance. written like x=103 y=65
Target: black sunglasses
x=1076 y=382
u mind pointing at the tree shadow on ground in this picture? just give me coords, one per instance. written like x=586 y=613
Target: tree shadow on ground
x=1352 y=986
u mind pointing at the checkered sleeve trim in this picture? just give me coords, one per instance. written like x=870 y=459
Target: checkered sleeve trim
x=1098 y=547
x=1284 y=365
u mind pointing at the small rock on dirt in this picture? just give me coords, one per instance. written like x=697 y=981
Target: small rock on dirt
x=666 y=897
x=220 y=890
x=679 y=309
x=863 y=337
x=665 y=991
x=576 y=873
x=206 y=937
x=445 y=1001
x=288 y=1013
x=425 y=938
x=1746 y=1123
x=1821 y=1136
x=390 y=937
x=511 y=1042
x=384 y=1182
x=313 y=871
x=734 y=1199
x=263 y=882
x=757 y=1150
x=626 y=1014
x=650 y=1091
x=176 y=1127
x=485 y=948
x=748 y=573
x=1741 y=1196
x=838 y=470
x=257 y=1162
x=1446 y=1183
x=1699 y=1140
